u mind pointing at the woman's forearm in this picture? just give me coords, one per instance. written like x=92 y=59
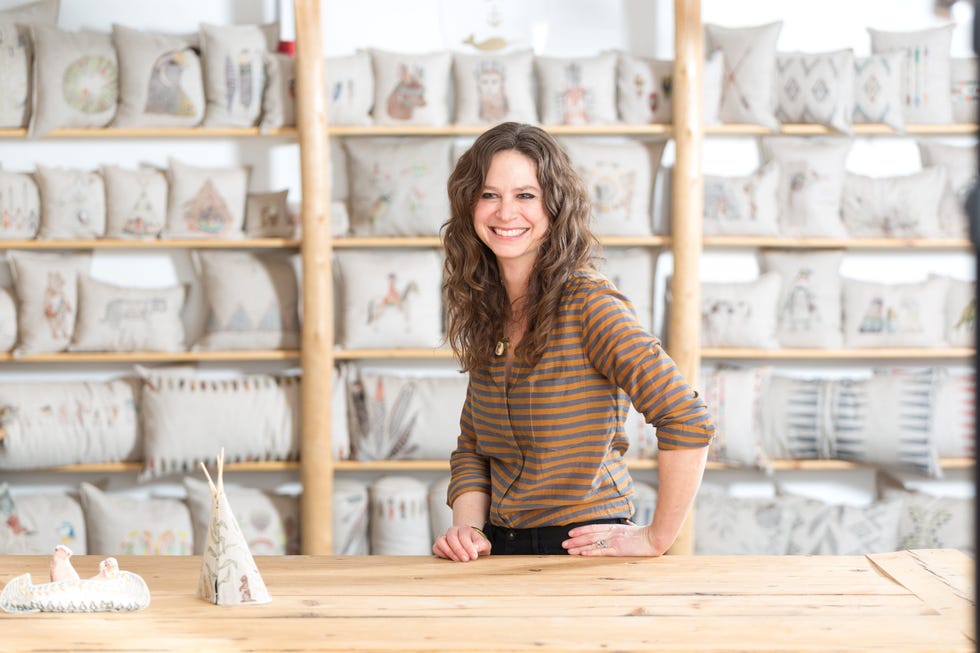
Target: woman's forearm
x=680 y=472
x=471 y=509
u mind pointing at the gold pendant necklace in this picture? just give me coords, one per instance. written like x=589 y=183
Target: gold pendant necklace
x=501 y=347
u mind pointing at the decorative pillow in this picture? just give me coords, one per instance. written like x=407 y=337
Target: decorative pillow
x=645 y=89
x=641 y=435
x=960 y=164
x=894 y=314
x=31 y=13
x=115 y=318
x=878 y=90
x=206 y=202
x=398 y=185
x=729 y=525
x=816 y=88
x=742 y=206
x=925 y=72
x=350 y=517
x=645 y=501
x=119 y=524
x=234 y=74
x=350 y=89
x=76 y=79
x=399 y=517
x=577 y=90
x=15 y=525
x=55 y=518
x=740 y=314
x=795 y=419
x=749 y=72
x=902 y=206
x=954 y=414
x=269 y=521
x=17 y=58
x=72 y=203
x=934 y=522
x=267 y=215
x=252 y=299
x=411 y=89
x=279 y=99
x=494 y=88
x=619 y=177
x=136 y=202
x=440 y=514
x=885 y=420
x=961 y=313
x=811 y=180
x=68 y=423
x=736 y=400
x=339 y=429
x=8 y=319
x=160 y=79
x=389 y=298
x=402 y=413
x=186 y=419
x=965 y=89
x=632 y=271
x=826 y=529
x=47 y=298
x=20 y=204
x=808 y=310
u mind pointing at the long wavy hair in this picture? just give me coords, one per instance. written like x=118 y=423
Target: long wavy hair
x=476 y=302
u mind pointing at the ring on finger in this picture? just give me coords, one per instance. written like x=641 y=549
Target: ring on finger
x=600 y=544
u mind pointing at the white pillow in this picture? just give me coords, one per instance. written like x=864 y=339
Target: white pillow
x=961 y=312
x=816 y=88
x=645 y=89
x=411 y=89
x=233 y=58
x=577 y=90
x=350 y=517
x=17 y=58
x=809 y=308
x=350 y=89
x=894 y=314
x=400 y=517
x=632 y=271
x=878 y=90
x=46 y=287
x=121 y=524
x=749 y=72
x=20 y=206
x=8 y=319
x=925 y=73
x=899 y=206
x=742 y=205
x=736 y=400
x=494 y=88
x=965 y=89
x=740 y=314
x=72 y=203
x=52 y=519
x=960 y=164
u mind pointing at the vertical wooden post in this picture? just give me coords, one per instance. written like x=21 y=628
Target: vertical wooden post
x=684 y=325
x=317 y=361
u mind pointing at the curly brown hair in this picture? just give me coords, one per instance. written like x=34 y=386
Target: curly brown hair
x=476 y=301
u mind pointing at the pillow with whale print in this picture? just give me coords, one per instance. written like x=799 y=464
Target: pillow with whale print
x=494 y=88
x=411 y=89
x=577 y=90
x=17 y=58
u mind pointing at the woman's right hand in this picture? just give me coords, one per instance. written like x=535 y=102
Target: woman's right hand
x=461 y=544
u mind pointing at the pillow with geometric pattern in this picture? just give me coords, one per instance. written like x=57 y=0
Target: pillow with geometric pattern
x=816 y=88
x=925 y=72
x=878 y=90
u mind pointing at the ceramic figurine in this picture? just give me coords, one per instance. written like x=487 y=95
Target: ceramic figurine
x=60 y=566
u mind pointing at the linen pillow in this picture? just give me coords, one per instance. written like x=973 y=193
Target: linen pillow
x=878 y=90
x=894 y=314
x=136 y=202
x=809 y=308
x=17 y=58
x=742 y=205
x=398 y=186
x=115 y=318
x=749 y=71
x=954 y=414
x=8 y=319
x=965 y=89
x=72 y=203
x=269 y=522
x=267 y=215
x=728 y=525
x=160 y=79
x=47 y=298
x=350 y=89
x=740 y=314
x=645 y=500
x=826 y=529
x=645 y=89
x=252 y=300
x=15 y=526
x=577 y=90
x=186 y=419
x=339 y=423
x=76 y=79
x=796 y=419
x=411 y=89
x=119 y=524
x=205 y=202
x=67 y=423
x=399 y=517
x=440 y=514
x=632 y=271
x=816 y=88
x=494 y=88
x=279 y=99
x=925 y=72
x=961 y=312
x=902 y=206
x=350 y=517
x=20 y=205
x=811 y=180
x=933 y=522
x=736 y=398
x=389 y=299
x=234 y=74
x=53 y=518
x=960 y=164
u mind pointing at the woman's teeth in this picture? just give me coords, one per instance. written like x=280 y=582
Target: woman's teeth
x=507 y=233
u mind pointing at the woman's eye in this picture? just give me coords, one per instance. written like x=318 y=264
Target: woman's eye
x=526 y=196
x=487 y=196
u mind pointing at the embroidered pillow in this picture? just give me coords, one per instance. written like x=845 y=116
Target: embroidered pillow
x=119 y=524
x=827 y=529
x=399 y=517
x=928 y=521
x=72 y=203
x=960 y=164
x=961 y=312
x=902 y=206
x=252 y=300
x=645 y=501
x=350 y=517
x=339 y=428
x=494 y=88
x=20 y=205
x=736 y=398
x=878 y=90
x=136 y=202
x=816 y=88
x=894 y=314
x=577 y=90
x=160 y=79
x=808 y=310
x=389 y=298
x=206 y=202
x=645 y=89
x=740 y=314
x=965 y=89
x=267 y=215
x=398 y=185
x=47 y=424
x=76 y=79
x=954 y=414
x=17 y=58
x=116 y=318
x=795 y=420
x=47 y=298
x=350 y=89
x=234 y=74
x=925 y=72
x=279 y=98
x=743 y=205
x=37 y=522
x=440 y=514
x=8 y=319
x=749 y=72
x=632 y=271
x=730 y=525
x=411 y=89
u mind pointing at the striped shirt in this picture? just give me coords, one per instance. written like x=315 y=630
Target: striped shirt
x=548 y=447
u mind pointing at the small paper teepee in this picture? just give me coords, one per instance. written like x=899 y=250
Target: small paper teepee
x=228 y=572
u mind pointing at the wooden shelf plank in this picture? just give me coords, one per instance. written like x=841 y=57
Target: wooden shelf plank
x=780 y=242
x=176 y=243
x=354 y=242
x=373 y=354
x=968 y=129
x=156 y=132
x=127 y=467
x=152 y=356
x=475 y=130
x=947 y=353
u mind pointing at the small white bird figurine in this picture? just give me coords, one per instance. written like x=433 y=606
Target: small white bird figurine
x=108 y=569
x=60 y=567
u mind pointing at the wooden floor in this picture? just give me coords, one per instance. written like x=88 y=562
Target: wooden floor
x=895 y=602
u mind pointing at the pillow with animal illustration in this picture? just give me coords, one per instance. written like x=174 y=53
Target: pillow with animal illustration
x=205 y=202
x=136 y=202
x=46 y=287
x=494 y=88
x=411 y=89
x=17 y=58
x=72 y=203
x=577 y=90
x=736 y=400
x=279 y=98
x=925 y=71
x=8 y=319
x=20 y=206
x=878 y=314
x=897 y=206
x=37 y=522
x=808 y=310
x=234 y=73
x=742 y=205
x=740 y=314
x=795 y=424
x=350 y=89
x=632 y=270
x=816 y=88
x=749 y=79
x=960 y=164
x=267 y=215
x=160 y=79
x=645 y=89
x=122 y=524
x=965 y=89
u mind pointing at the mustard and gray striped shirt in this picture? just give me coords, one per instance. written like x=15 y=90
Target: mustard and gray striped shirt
x=549 y=448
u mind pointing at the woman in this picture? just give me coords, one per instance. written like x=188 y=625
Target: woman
x=554 y=353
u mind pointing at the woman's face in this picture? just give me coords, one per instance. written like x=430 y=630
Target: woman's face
x=510 y=217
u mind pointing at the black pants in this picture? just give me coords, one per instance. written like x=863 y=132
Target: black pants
x=544 y=540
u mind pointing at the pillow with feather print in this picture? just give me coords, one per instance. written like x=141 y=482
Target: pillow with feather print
x=234 y=73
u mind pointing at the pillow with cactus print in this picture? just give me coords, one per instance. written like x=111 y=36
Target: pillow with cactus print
x=206 y=202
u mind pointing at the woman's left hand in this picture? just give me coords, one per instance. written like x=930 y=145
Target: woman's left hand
x=610 y=540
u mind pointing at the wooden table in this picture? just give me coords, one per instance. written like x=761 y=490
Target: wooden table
x=895 y=602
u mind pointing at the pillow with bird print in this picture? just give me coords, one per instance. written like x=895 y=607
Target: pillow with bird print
x=54 y=518
x=234 y=74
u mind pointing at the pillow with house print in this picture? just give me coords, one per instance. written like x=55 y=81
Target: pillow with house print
x=46 y=287
x=808 y=310
x=136 y=202
x=577 y=90
x=234 y=73
x=926 y=71
x=72 y=203
x=206 y=202
x=17 y=58
x=20 y=206
x=878 y=90
x=389 y=298
x=749 y=78
x=350 y=89
x=878 y=314
x=816 y=88
x=411 y=89
x=494 y=88
x=896 y=206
